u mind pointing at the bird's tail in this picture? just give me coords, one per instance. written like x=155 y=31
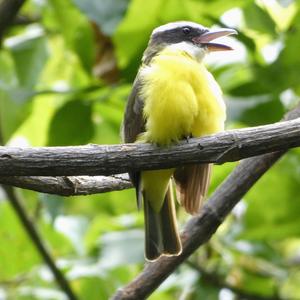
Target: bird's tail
x=161 y=233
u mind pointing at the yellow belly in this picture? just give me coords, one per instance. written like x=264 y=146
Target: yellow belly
x=181 y=98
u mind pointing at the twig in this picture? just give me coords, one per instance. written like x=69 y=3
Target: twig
x=8 y=12
x=21 y=20
x=200 y=228
x=70 y=186
x=230 y=145
x=37 y=241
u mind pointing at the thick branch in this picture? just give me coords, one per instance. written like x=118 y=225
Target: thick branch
x=70 y=186
x=8 y=12
x=231 y=145
x=200 y=228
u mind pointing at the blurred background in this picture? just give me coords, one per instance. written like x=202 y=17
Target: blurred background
x=66 y=69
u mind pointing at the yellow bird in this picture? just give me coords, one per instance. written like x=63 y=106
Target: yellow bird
x=173 y=97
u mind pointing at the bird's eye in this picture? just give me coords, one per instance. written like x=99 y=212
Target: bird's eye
x=186 y=30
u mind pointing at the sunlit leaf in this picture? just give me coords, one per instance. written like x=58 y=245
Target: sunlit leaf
x=272 y=212
x=17 y=253
x=30 y=54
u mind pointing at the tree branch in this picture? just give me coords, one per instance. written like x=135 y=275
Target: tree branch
x=199 y=229
x=8 y=12
x=230 y=145
x=70 y=186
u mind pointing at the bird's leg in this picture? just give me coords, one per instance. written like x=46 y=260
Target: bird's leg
x=187 y=138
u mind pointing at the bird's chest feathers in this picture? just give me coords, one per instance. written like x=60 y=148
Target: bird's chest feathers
x=181 y=98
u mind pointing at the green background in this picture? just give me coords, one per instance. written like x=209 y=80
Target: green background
x=64 y=80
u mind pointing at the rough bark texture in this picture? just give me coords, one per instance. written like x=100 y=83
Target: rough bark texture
x=200 y=228
x=71 y=185
x=230 y=145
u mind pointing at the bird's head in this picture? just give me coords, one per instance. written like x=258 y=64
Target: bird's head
x=187 y=36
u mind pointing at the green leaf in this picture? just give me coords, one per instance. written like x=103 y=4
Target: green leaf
x=250 y=88
x=12 y=114
x=72 y=124
x=273 y=212
x=254 y=111
x=106 y=13
x=14 y=108
x=260 y=285
x=17 y=254
x=76 y=30
x=30 y=55
x=291 y=286
x=53 y=204
x=94 y=288
x=259 y=20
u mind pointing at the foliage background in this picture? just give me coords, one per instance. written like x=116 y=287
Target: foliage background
x=64 y=80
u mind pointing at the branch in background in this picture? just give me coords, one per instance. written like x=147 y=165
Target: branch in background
x=8 y=12
x=70 y=186
x=217 y=281
x=200 y=228
x=21 y=20
x=33 y=234
x=230 y=145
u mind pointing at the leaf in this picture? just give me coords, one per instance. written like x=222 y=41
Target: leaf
x=260 y=285
x=254 y=111
x=259 y=20
x=121 y=247
x=272 y=212
x=30 y=55
x=16 y=252
x=14 y=107
x=76 y=29
x=53 y=204
x=72 y=124
x=106 y=13
x=94 y=288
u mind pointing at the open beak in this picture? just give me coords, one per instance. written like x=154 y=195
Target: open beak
x=204 y=39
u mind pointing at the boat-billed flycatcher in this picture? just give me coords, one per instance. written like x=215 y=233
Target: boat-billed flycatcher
x=173 y=97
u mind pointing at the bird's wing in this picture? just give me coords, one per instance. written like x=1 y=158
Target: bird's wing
x=133 y=125
x=192 y=183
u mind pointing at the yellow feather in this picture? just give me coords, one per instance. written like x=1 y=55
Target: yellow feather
x=155 y=183
x=181 y=98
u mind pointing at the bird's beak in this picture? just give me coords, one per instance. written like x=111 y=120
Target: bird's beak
x=204 y=39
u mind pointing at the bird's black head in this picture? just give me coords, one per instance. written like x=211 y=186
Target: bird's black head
x=177 y=32
x=183 y=32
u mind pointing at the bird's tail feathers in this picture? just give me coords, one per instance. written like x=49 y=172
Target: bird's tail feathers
x=162 y=237
x=192 y=185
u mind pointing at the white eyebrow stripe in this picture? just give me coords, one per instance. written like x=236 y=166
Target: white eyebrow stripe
x=174 y=25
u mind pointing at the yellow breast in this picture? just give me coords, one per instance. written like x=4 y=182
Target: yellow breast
x=181 y=98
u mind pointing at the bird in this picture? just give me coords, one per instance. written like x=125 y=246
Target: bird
x=173 y=98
